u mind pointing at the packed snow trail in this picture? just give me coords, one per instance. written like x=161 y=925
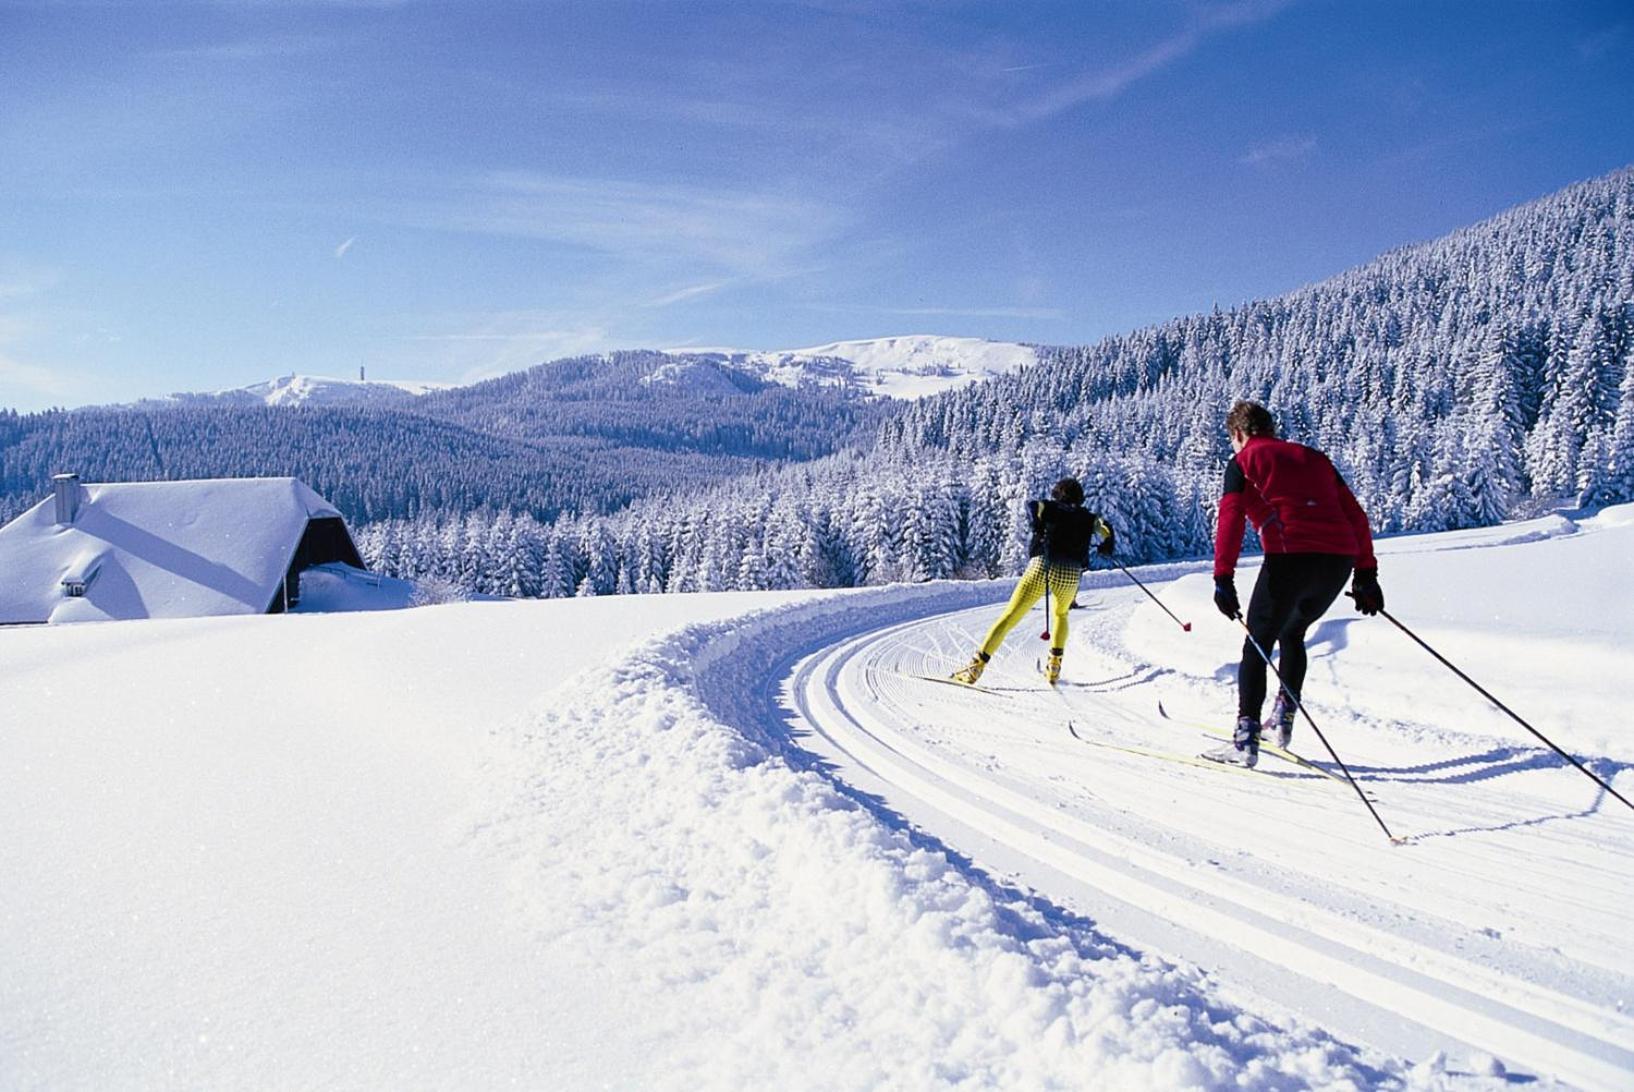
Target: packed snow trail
x=1283 y=864
x=1500 y=925
x=1019 y=992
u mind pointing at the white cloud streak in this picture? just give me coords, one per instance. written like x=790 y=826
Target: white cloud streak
x=643 y=223
x=1279 y=150
x=1109 y=83
x=341 y=250
x=946 y=312
x=38 y=382
x=1603 y=43
x=250 y=49
x=692 y=292
x=24 y=383
x=20 y=279
x=481 y=345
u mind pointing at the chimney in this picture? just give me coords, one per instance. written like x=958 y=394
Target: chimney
x=67 y=490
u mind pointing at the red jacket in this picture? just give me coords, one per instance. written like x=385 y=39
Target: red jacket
x=1297 y=502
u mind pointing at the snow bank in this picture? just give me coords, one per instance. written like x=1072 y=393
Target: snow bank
x=238 y=853
x=798 y=938
x=336 y=587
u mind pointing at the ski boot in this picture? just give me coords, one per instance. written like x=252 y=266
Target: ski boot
x=1052 y=666
x=1279 y=727
x=971 y=672
x=1244 y=748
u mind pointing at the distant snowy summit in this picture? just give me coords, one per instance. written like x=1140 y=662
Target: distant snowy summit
x=317 y=390
x=893 y=367
x=890 y=367
x=309 y=390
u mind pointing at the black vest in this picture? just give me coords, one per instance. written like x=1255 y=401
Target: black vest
x=1061 y=533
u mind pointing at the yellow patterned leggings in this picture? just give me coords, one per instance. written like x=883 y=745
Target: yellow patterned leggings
x=1062 y=581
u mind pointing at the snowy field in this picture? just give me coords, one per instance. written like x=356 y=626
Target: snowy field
x=730 y=841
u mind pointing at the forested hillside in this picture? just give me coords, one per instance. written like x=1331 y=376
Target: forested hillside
x=658 y=401
x=1454 y=383
x=583 y=435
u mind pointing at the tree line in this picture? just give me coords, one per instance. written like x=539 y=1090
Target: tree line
x=1457 y=383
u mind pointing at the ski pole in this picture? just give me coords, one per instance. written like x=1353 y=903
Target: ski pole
x=1515 y=716
x=1183 y=625
x=1300 y=706
x=1045 y=636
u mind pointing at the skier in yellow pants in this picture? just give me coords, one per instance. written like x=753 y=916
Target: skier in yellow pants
x=1062 y=532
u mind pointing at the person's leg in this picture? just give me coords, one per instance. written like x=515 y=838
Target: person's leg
x=1063 y=585
x=1316 y=582
x=1063 y=581
x=1269 y=609
x=1028 y=590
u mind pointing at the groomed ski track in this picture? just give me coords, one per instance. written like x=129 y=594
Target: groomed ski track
x=1497 y=928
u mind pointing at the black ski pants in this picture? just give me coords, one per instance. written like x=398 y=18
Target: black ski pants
x=1293 y=591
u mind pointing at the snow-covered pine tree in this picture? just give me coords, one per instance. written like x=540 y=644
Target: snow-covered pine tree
x=1618 y=485
x=1491 y=428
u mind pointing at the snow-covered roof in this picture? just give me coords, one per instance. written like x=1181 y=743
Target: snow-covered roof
x=156 y=550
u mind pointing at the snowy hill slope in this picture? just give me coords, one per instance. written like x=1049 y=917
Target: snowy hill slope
x=308 y=390
x=752 y=852
x=893 y=367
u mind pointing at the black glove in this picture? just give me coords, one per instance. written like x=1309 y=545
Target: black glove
x=1105 y=548
x=1366 y=591
x=1225 y=596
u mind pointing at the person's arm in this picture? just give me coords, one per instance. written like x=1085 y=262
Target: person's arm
x=1229 y=526
x=1104 y=529
x=1358 y=526
x=1364 y=586
x=1228 y=539
x=1035 y=509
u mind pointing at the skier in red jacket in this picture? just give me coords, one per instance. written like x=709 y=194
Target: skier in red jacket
x=1314 y=534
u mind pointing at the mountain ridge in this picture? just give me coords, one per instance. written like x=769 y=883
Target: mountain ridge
x=902 y=367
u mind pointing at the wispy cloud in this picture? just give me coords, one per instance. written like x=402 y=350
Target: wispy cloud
x=1279 y=150
x=19 y=279
x=645 y=223
x=691 y=292
x=1461 y=139
x=25 y=383
x=1602 y=43
x=542 y=335
x=481 y=345
x=340 y=251
x=250 y=49
x=1108 y=83
x=945 y=312
x=33 y=382
x=672 y=103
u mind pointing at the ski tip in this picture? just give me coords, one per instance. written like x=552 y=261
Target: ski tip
x=1162 y=712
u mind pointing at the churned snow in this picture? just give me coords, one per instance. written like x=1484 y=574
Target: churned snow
x=726 y=841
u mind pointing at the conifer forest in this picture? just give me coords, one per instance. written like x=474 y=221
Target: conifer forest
x=1455 y=384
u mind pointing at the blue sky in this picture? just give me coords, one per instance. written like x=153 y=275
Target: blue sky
x=201 y=195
